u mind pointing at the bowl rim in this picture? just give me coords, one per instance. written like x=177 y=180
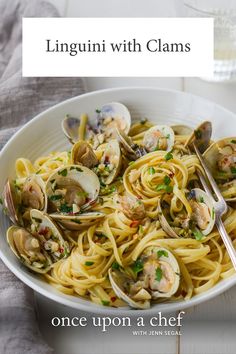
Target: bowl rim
x=64 y=299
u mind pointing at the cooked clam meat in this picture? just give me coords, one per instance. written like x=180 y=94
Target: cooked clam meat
x=132 y=207
x=227 y=159
x=71 y=189
x=156 y=276
x=159 y=137
x=111 y=116
x=32 y=195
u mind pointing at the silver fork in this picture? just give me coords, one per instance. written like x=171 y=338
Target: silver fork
x=220 y=206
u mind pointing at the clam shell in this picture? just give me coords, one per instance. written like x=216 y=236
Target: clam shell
x=201 y=136
x=117 y=112
x=150 y=141
x=41 y=221
x=112 y=154
x=82 y=175
x=211 y=156
x=117 y=280
x=182 y=129
x=171 y=260
x=77 y=222
x=11 y=199
x=12 y=245
x=82 y=153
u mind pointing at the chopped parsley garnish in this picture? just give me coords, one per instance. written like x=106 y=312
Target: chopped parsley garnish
x=82 y=194
x=1 y=202
x=233 y=141
x=140 y=229
x=201 y=200
x=131 y=163
x=55 y=197
x=164 y=187
x=105 y=302
x=79 y=169
x=166 y=180
x=37 y=220
x=77 y=221
x=233 y=170
x=64 y=208
x=63 y=172
x=198 y=235
x=161 y=253
x=198 y=134
x=100 y=234
x=115 y=266
x=38 y=172
x=98 y=111
x=143 y=121
x=112 y=189
x=151 y=170
x=168 y=156
x=137 y=266
x=213 y=213
x=88 y=263
x=168 y=136
x=158 y=274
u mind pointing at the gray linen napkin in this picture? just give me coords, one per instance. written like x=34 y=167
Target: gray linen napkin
x=20 y=100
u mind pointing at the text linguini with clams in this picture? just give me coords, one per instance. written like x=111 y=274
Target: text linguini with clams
x=121 y=218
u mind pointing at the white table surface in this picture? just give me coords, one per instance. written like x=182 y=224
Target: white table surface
x=209 y=328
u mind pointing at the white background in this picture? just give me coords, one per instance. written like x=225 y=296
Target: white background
x=210 y=327
x=42 y=58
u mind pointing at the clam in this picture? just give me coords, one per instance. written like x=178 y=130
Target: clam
x=131 y=150
x=201 y=136
x=79 y=221
x=157 y=276
x=28 y=249
x=221 y=159
x=159 y=137
x=49 y=235
x=110 y=163
x=180 y=129
x=82 y=153
x=197 y=221
x=71 y=189
x=11 y=202
x=111 y=116
x=71 y=127
x=18 y=201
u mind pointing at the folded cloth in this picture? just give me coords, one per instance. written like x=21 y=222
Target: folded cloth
x=20 y=100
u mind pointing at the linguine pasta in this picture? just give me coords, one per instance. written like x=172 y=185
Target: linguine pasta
x=118 y=239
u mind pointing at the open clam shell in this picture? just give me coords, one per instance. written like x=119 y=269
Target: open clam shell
x=11 y=202
x=27 y=248
x=120 y=283
x=182 y=129
x=131 y=150
x=200 y=219
x=221 y=159
x=82 y=153
x=77 y=222
x=167 y=274
x=111 y=162
x=111 y=116
x=19 y=200
x=158 y=277
x=201 y=136
x=71 y=189
x=159 y=137
x=50 y=235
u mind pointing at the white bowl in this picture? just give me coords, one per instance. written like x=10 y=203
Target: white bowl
x=43 y=134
